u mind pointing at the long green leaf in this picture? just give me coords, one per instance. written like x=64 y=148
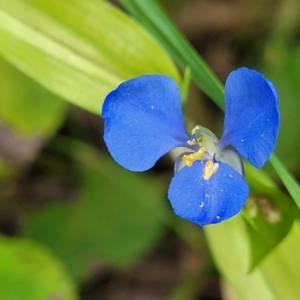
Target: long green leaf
x=79 y=50
x=277 y=277
x=156 y=21
x=289 y=181
x=27 y=107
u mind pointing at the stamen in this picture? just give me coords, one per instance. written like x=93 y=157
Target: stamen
x=189 y=159
x=210 y=169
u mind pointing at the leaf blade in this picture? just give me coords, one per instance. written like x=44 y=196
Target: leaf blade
x=75 y=56
x=288 y=180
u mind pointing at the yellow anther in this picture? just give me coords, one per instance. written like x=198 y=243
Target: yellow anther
x=189 y=159
x=210 y=169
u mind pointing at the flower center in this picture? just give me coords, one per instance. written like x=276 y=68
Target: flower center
x=204 y=138
x=207 y=143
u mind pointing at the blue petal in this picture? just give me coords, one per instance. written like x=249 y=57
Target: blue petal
x=251 y=116
x=207 y=201
x=143 y=121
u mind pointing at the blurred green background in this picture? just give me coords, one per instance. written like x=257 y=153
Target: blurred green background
x=75 y=225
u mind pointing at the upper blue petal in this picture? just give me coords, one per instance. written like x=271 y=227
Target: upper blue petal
x=207 y=201
x=143 y=121
x=251 y=115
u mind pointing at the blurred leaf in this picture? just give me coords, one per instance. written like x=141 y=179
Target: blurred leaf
x=78 y=49
x=28 y=271
x=188 y=287
x=287 y=61
x=156 y=21
x=277 y=277
x=282 y=56
x=27 y=107
x=117 y=217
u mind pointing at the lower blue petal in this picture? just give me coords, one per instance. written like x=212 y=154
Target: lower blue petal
x=207 y=201
x=251 y=115
x=143 y=121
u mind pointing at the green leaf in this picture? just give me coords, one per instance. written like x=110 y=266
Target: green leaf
x=281 y=268
x=288 y=180
x=117 y=217
x=229 y=245
x=269 y=215
x=156 y=21
x=277 y=277
x=27 y=107
x=80 y=50
x=185 y=85
x=29 y=271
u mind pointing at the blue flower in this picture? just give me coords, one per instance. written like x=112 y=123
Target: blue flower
x=143 y=121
